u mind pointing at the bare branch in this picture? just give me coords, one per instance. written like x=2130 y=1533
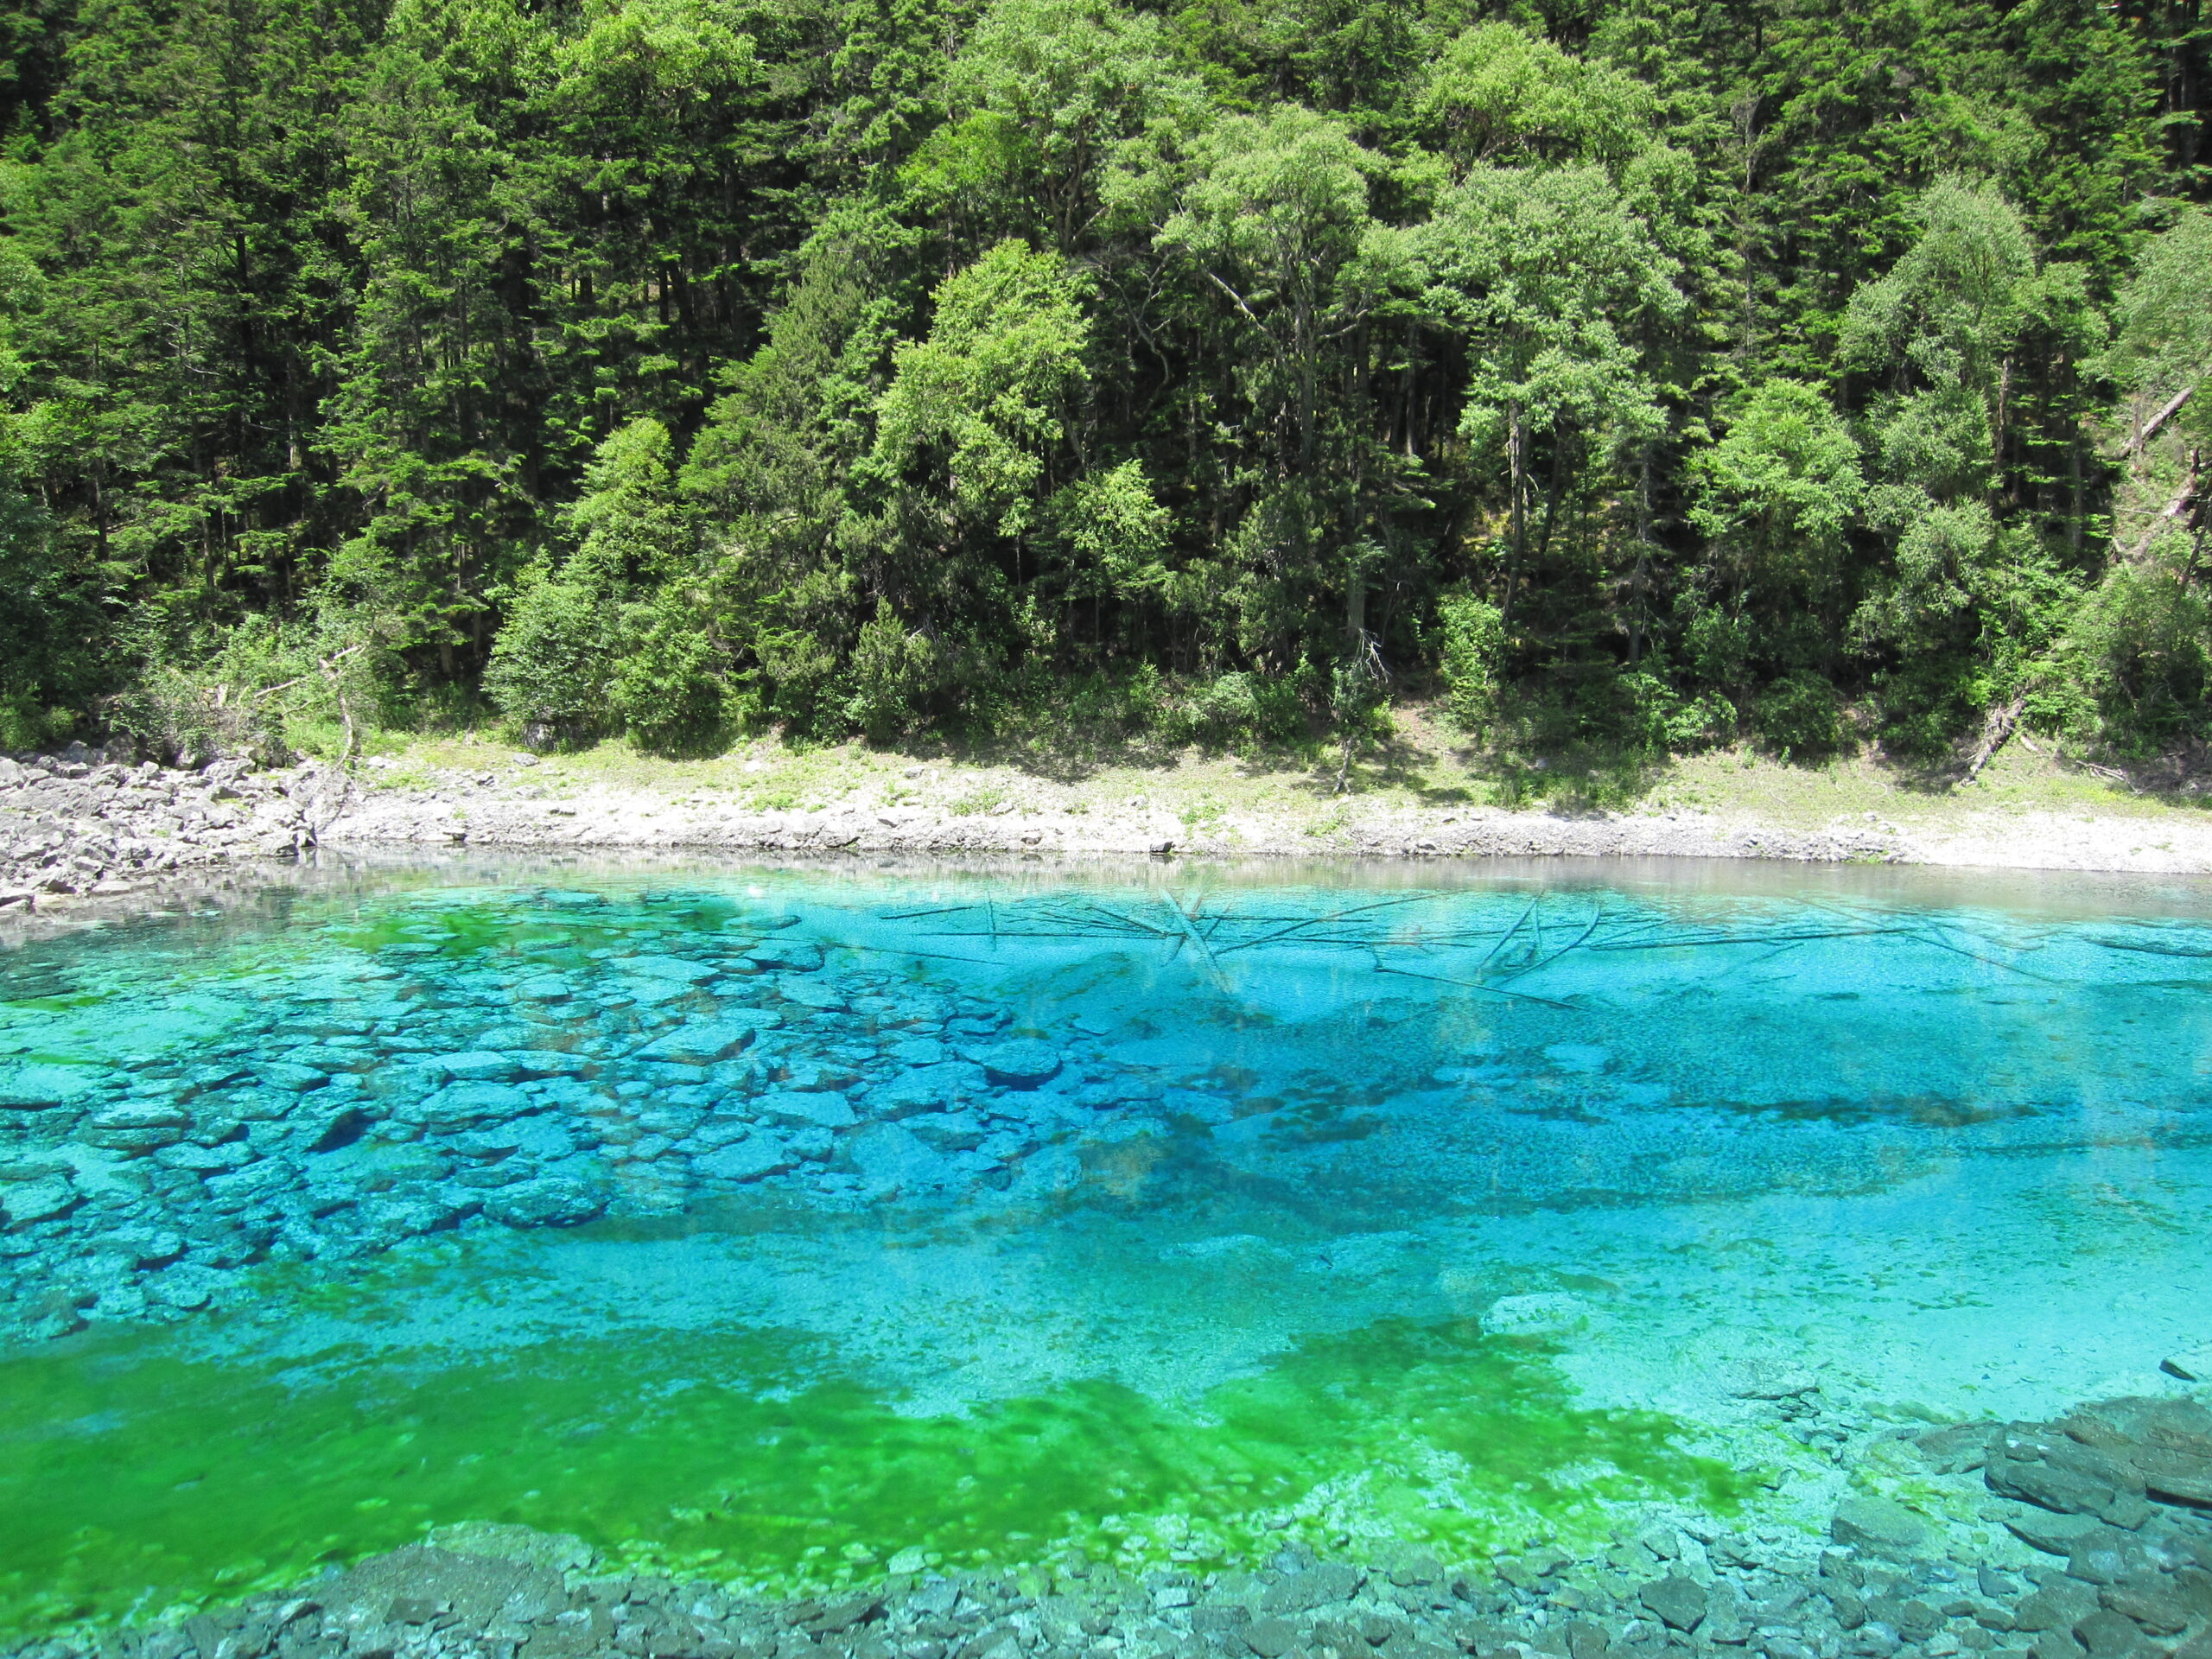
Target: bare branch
x=2149 y=427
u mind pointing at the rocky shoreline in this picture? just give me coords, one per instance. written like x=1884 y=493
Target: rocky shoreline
x=2089 y=1537
x=86 y=828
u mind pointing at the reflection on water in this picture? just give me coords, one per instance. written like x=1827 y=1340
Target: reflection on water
x=774 y=1221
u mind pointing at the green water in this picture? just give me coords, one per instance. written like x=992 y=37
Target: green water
x=136 y=1480
x=1222 y=1281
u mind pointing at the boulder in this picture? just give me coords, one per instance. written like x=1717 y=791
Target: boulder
x=1016 y=1062
x=926 y=1088
x=478 y=1066
x=38 y=1088
x=1879 y=1525
x=823 y=1107
x=711 y=1040
x=749 y=1159
x=464 y=1105
x=24 y=1202
x=1677 y=1602
x=551 y=1202
x=888 y=1155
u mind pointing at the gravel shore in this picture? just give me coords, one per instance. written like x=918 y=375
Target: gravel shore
x=80 y=825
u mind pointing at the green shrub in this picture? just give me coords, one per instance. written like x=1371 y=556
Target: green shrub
x=1657 y=718
x=24 y=725
x=1473 y=661
x=667 y=686
x=552 y=661
x=893 y=668
x=1800 y=716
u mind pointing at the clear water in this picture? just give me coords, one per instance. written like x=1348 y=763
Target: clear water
x=1372 y=1207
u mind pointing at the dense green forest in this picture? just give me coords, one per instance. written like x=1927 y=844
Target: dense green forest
x=1653 y=375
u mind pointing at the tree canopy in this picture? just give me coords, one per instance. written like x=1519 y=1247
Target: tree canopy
x=1661 y=374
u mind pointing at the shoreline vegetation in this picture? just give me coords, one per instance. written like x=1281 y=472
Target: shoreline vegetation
x=1642 y=379
x=83 y=833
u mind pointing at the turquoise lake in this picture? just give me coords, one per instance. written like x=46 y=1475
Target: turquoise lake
x=782 y=1225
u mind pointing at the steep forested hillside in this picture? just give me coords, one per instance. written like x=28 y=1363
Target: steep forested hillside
x=1658 y=373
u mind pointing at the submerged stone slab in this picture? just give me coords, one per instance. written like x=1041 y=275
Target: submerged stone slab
x=752 y=1159
x=480 y=1065
x=710 y=1041
x=1017 y=1062
x=926 y=1088
x=786 y=956
x=889 y=1155
x=1879 y=1524
x=463 y=1105
x=24 y=1202
x=680 y=969
x=1677 y=1602
x=543 y=1202
x=39 y=1088
x=823 y=1107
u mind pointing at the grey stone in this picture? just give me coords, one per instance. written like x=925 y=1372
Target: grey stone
x=1678 y=1602
x=2057 y=1606
x=24 y=1202
x=889 y=1155
x=926 y=1088
x=39 y=1087
x=463 y=1105
x=2106 y=1556
x=710 y=1041
x=2055 y=1535
x=478 y=1066
x=2042 y=1466
x=825 y=1109
x=947 y=1131
x=543 y=1202
x=1316 y=1586
x=1954 y=1450
x=2107 y=1635
x=749 y=1159
x=1017 y=1062
x=1270 y=1638
x=2150 y=1603
x=1879 y=1524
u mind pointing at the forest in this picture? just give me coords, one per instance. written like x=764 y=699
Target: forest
x=1655 y=375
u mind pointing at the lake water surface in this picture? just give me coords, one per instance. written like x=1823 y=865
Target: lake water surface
x=775 y=1224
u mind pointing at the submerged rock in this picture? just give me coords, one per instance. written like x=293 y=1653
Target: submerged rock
x=750 y=1160
x=1879 y=1524
x=1016 y=1062
x=825 y=1107
x=1677 y=1601
x=553 y=1202
x=713 y=1040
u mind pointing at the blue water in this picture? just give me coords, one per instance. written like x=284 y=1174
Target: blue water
x=1512 y=1186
